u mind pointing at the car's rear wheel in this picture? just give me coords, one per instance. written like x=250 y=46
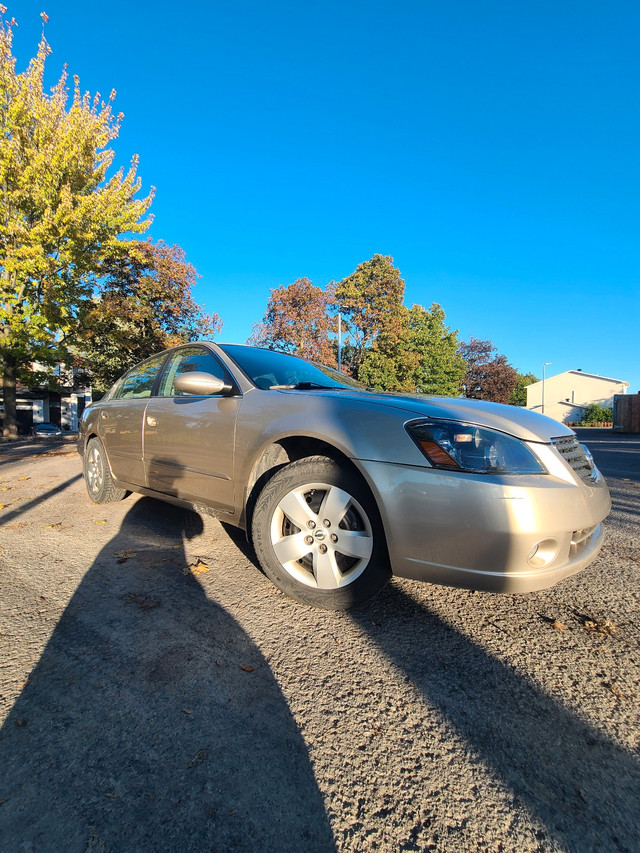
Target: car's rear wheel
x=318 y=535
x=97 y=476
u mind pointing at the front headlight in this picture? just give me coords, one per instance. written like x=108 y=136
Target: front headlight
x=457 y=446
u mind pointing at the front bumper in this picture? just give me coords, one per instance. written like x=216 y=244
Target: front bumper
x=479 y=532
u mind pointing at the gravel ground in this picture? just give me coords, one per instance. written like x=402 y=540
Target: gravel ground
x=157 y=693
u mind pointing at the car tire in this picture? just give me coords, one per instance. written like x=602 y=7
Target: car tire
x=318 y=535
x=97 y=475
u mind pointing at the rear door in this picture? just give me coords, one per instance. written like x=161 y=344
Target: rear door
x=188 y=439
x=121 y=419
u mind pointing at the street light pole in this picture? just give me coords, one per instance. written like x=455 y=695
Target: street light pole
x=546 y=364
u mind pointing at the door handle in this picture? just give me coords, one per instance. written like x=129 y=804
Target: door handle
x=151 y=421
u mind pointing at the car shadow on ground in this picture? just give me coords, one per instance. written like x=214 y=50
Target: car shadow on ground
x=571 y=777
x=151 y=721
x=12 y=514
x=567 y=774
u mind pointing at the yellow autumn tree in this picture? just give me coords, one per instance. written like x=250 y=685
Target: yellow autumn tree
x=62 y=219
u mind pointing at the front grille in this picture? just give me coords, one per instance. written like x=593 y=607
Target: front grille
x=575 y=455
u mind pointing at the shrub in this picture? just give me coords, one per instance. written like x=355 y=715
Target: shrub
x=597 y=414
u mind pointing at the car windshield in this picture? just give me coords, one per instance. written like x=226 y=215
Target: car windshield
x=279 y=371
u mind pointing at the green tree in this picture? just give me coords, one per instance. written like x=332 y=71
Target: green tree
x=390 y=365
x=519 y=393
x=596 y=413
x=488 y=376
x=423 y=357
x=370 y=301
x=61 y=218
x=145 y=305
x=440 y=369
x=389 y=346
x=297 y=321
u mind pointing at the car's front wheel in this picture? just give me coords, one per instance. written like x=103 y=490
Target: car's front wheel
x=97 y=476
x=318 y=535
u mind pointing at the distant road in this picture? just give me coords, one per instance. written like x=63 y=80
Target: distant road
x=615 y=455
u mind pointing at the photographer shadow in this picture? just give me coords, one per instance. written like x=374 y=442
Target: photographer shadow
x=152 y=721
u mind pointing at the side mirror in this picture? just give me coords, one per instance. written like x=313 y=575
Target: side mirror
x=200 y=384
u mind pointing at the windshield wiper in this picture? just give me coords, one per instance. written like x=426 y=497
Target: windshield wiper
x=302 y=386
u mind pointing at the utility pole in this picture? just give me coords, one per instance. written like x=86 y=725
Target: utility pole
x=546 y=364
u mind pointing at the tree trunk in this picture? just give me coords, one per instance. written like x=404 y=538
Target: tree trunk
x=10 y=417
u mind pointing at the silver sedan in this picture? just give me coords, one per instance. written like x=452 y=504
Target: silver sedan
x=338 y=487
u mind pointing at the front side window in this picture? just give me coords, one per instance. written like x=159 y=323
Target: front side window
x=186 y=360
x=138 y=382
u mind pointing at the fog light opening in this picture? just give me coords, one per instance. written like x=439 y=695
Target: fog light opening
x=543 y=553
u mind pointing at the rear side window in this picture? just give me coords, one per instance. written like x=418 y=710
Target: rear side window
x=186 y=360
x=138 y=382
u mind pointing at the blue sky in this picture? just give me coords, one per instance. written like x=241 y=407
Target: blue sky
x=492 y=148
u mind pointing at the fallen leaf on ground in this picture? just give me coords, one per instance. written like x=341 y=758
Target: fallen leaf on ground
x=559 y=626
x=123 y=556
x=248 y=668
x=21 y=723
x=186 y=711
x=197 y=568
x=595 y=627
x=102 y=521
x=50 y=526
x=22 y=479
x=199 y=758
x=611 y=687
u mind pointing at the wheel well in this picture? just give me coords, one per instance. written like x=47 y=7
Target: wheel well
x=88 y=438
x=279 y=454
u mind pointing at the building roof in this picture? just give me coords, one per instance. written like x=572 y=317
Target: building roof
x=579 y=373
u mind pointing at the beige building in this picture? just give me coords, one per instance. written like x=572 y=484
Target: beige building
x=567 y=395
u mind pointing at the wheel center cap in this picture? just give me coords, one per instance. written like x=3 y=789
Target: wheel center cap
x=319 y=535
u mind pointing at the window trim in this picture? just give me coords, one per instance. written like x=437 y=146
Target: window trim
x=227 y=375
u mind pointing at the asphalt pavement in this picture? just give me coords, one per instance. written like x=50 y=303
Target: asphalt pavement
x=158 y=694
x=615 y=454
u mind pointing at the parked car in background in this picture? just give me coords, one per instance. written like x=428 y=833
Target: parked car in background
x=339 y=487
x=46 y=430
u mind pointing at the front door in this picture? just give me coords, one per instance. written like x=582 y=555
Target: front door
x=188 y=439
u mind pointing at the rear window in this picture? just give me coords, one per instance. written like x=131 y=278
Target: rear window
x=138 y=382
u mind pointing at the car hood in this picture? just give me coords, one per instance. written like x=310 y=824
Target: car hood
x=514 y=420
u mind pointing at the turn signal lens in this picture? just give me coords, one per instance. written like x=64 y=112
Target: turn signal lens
x=438 y=455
